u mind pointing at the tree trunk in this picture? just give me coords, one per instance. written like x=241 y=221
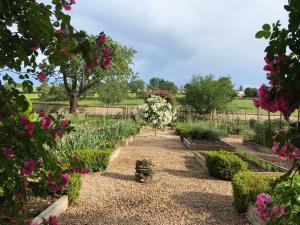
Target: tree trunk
x=73 y=103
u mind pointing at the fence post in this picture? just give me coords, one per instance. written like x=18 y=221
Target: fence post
x=245 y=115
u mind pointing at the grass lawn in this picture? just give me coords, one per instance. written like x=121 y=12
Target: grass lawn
x=125 y=102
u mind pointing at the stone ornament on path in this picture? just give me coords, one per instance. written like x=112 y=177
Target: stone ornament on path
x=144 y=172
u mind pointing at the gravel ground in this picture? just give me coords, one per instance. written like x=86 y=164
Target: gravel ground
x=181 y=192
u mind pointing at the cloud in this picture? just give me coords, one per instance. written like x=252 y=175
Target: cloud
x=176 y=38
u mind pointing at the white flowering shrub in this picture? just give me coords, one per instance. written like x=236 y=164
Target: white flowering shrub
x=157 y=111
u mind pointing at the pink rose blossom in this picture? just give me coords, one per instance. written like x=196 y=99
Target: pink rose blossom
x=46 y=122
x=65 y=178
x=28 y=168
x=256 y=102
x=27 y=124
x=105 y=52
x=61 y=30
x=67 y=7
x=277 y=212
x=73 y=1
x=42 y=114
x=63 y=122
x=8 y=152
x=101 y=38
x=53 y=220
x=42 y=76
x=105 y=63
x=263 y=202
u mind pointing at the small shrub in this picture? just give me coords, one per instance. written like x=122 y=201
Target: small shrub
x=246 y=186
x=224 y=165
x=73 y=189
x=94 y=159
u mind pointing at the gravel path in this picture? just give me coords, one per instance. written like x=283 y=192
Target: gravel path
x=181 y=192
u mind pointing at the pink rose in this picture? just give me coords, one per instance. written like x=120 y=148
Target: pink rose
x=53 y=220
x=28 y=168
x=8 y=152
x=46 y=122
x=63 y=122
x=42 y=76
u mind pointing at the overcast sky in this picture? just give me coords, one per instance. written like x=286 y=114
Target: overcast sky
x=175 y=39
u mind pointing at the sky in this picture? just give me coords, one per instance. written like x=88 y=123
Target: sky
x=175 y=39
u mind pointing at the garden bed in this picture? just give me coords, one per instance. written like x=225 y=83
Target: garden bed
x=207 y=145
x=257 y=165
x=256 y=146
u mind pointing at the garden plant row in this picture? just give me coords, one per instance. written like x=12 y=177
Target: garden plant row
x=249 y=174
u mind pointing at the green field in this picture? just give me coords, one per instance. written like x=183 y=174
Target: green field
x=238 y=105
x=128 y=101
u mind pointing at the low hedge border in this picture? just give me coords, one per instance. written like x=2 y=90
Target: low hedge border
x=224 y=164
x=247 y=185
x=94 y=159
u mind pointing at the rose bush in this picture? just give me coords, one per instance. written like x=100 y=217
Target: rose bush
x=25 y=154
x=282 y=204
x=30 y=29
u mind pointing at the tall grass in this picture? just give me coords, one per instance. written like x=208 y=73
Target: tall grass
x=96 y=135
x=200 y=130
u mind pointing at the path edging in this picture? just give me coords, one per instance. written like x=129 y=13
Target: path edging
x=117 y=151
x=56 y=209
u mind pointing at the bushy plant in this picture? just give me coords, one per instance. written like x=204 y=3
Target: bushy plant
x=246 y=186
x=157 y=111
x=224 y=165
x=199 y=130
x=26 y=152
x=93 y=159
x=97 y=137
x=73 y=188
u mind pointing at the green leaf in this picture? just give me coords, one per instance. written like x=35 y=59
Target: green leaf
x=266 y=27
x=260 y=34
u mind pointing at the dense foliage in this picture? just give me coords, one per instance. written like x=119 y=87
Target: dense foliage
x=112 y=91
x=156 y=83
x=246 y=186
x=282 y=204
x=199 y=130
x=205 y=94
x=224 y=165
x=30 y=29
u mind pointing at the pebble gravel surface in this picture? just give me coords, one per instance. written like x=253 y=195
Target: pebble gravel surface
x=180 y=193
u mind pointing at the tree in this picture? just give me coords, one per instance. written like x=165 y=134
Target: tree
x=136 y=84
x=29 y=29
x=241 y=88
x=156 y=83
x=52 y=93
x=205 y=94
x=112 y=91
x=250 y=92
x=78 y=78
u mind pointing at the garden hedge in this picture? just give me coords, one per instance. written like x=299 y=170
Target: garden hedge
x=73 y=189
x=224 y=165
x=246 y=186
x=94 y=159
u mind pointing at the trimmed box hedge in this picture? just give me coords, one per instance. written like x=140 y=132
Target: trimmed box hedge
x=246 y=186
x=224 y=165
x=94 y=159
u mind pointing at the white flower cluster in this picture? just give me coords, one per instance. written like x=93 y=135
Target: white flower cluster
x=157 y=111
